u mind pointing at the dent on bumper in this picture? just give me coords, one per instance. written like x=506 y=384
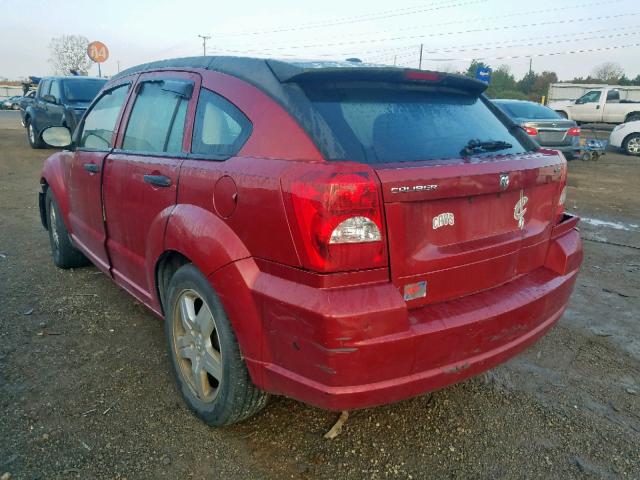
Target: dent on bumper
x=359 y=347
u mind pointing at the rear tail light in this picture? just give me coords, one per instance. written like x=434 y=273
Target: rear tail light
x=531 y=131
x=422 y=76
x=574 y=132
x=337 y=220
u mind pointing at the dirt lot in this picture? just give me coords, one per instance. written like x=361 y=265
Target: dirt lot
x=85 y=388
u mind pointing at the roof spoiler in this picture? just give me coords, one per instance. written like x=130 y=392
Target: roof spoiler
x=305 y=72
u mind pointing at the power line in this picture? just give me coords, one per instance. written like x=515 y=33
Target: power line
x=530 y=44
x=543 y=54
x=363 y=18
x=441 y=34
x=473 y=20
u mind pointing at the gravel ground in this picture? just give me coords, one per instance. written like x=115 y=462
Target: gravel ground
x=85 y=388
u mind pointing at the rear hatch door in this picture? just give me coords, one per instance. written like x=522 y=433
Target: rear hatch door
x=464 y=227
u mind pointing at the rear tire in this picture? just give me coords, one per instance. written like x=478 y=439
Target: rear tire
x=634 y=117
x=33 y=136
x=631 y=144
x=64 y=254
x=207 y=363
x=562 y=114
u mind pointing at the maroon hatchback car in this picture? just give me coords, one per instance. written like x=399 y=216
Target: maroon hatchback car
x=345 y=234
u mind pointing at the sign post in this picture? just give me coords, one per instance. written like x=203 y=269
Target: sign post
x=483 y=74
x=99 y=53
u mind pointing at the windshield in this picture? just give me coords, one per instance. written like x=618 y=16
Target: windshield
x=382 y=125
x=82 y=90
x=528 y=111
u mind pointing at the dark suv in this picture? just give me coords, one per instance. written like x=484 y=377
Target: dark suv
x=347 y=235
x=59 y=101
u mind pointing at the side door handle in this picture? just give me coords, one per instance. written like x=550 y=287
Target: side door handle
x=91 y=167
x=158 y=180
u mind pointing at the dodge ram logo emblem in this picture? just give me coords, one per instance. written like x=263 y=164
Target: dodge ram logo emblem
x=520 y=209
x=504 y=181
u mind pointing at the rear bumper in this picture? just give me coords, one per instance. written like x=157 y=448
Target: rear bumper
x=356 y=347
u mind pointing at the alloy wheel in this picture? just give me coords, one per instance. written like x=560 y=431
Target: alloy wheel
x=197 y=346
x=633 y=145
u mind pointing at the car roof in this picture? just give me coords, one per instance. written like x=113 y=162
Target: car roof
x=81 y=77
x=513 y=100
x=269 y=74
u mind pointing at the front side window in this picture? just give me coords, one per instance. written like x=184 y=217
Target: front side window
x=100 y=122
x=44 y=87
x=220 y=129
x=156 y=123
x=591 y=97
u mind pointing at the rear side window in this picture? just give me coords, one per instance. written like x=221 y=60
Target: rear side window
x=528 y=110
x=220 y=129
x=387 y=125
x=156 y=123
x=99 y=123
x=55 y=89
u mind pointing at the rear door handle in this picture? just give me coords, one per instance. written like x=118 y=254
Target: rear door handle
x=158 y=180
x=91 y=167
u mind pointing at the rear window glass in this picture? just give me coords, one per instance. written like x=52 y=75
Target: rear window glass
x=82 y=90
x=529 y=111
x=386 y=125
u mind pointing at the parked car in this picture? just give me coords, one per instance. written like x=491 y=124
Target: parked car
x=626 y=136
x=11 y=103
x=344 y=234
x=59 y=101
x=601 y=105
x=544 y=125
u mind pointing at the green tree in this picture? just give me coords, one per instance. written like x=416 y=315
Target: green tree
x=503 y=84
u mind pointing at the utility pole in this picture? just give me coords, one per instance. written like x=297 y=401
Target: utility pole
x=420 y=63
x=118 y=66
x=395 y=57
x=204 y=44
x=530 y=65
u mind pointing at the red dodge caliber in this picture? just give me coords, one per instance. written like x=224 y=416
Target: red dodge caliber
x=345 y=234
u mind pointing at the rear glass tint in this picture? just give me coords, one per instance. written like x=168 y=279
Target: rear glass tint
x=528 y=111
x=82 y=90
x=387 y=125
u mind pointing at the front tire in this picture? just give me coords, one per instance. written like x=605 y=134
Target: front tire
x=631 y=144
x=207 y=363
x=64 y=254
x=33 y=136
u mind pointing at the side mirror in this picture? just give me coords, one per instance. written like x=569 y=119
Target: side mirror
x=57 y=137
x=50 y=99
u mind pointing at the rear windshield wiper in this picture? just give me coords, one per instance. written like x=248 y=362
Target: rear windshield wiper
x=477 y=146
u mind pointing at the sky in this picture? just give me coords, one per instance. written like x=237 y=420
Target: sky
x=452 y=32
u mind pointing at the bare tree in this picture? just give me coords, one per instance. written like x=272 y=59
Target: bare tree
x=608 y=72
x=69 y=53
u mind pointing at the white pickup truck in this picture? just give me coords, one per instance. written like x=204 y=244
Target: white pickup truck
x=599 y=105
